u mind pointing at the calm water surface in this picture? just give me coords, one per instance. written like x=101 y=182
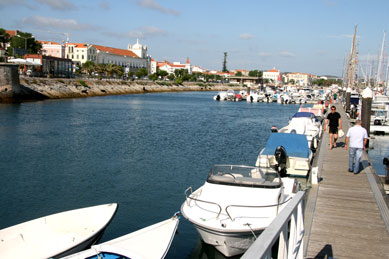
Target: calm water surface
x=141 y=151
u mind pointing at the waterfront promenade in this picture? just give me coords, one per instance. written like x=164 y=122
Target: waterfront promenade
x=343 y=216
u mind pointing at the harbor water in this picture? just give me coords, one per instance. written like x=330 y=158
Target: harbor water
x=140 y=151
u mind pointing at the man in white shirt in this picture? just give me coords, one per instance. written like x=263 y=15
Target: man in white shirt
x=356 y=140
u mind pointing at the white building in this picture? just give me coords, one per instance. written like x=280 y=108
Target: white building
x=53 y=49
x=79 y=53
x=138 y=49
x=171 y=67
x=300 y=79
x=273 y=75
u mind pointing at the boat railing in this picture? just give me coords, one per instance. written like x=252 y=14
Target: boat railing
x=287 y=228
x=195 y=199
x=253 y=206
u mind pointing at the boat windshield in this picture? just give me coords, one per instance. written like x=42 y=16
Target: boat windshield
x=246 y=176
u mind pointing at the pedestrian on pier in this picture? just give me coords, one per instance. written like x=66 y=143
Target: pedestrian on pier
x=334 y=124
x=356 y=140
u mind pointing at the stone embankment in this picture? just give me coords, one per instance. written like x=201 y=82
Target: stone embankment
x=55 y=88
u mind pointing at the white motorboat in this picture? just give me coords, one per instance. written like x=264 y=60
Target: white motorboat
x=235 y=204
x=284 y=98
x=256 y=96
x=221 y=96
x=293 y=148
x=56 y=235
x=305 y=123
x=228 y=95
x=151 y=242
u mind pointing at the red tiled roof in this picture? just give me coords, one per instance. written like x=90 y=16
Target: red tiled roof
x=121 y=52
x=78 y=45
x=11 y=33
x=48 y=42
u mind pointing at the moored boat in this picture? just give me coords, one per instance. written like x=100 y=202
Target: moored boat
x=293 y=148
x=235 y=204
x=151 y=242
x=56 y=235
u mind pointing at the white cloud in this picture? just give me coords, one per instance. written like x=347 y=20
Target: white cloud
x=286 y=54
x=246 y=36
x=151 y=4
x=264 y=54
x=60 y=5
x=140 y=33
x=5 y=3
x=55 y=23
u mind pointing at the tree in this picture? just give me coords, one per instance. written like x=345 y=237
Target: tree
x=162 y=73
x=89 y=67
x=171 y=76
x=142 y=72
x=4 y=39
x=255 y=73
x=225 y=63
x=238 y=73
x=153 y=76
x=24 y=41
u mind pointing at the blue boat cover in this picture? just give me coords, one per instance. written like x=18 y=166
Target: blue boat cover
x=296 y=145
x=303 y=114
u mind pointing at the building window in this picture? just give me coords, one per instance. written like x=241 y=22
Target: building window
x=82 y=56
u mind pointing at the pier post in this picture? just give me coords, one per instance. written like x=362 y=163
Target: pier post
x=9 y=82
x=348 y=98
x=367 y=98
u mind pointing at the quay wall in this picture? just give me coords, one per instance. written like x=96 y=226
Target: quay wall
x=9 y=82
x=55 y=88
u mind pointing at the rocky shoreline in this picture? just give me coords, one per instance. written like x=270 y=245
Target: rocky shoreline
x=56 y=88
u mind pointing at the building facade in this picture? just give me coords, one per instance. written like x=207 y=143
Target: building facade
x=53 y=49
x=171 y=67
x=51 y=66
x=299 y=79
x=273 y=75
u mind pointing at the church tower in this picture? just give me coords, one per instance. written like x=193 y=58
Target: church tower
x=138 y=49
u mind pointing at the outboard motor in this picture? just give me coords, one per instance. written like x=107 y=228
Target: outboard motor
x=251 y=98
x=386 y=163
x=274 y=129
x=281 y=158
x=218 y=97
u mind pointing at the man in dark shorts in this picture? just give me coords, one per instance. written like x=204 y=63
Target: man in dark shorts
x=334 y=124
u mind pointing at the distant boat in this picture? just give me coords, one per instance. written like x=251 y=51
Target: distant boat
x=152 y=242
x=56 y=235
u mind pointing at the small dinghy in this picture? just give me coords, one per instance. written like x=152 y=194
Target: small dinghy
x=56 y=235
x=150 y=242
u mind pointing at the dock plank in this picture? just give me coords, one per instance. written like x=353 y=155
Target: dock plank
x=346 y=221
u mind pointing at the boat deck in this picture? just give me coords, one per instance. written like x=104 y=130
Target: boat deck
x=346 y=215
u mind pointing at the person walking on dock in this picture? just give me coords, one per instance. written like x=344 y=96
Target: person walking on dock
x=356 y=140
x=334 y=124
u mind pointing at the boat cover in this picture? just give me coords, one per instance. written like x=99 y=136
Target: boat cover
x=305 y=115
x=296 y=145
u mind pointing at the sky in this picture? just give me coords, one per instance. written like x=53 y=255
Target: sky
x=307 y=36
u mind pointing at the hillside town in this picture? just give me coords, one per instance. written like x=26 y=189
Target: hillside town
x=52 y=59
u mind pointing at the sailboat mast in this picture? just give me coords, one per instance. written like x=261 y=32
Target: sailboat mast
x=353 y=61
x=380 y=63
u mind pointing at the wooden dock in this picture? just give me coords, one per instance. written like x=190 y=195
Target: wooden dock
x=345 y=217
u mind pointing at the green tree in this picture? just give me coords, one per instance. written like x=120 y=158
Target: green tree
x=4 y=39
x=171 y=76
x=238 y=73
x=89 y=67
x=25 y=41
x=142 y=72
x=162 y=73
x=255 y=73
x=153 y=77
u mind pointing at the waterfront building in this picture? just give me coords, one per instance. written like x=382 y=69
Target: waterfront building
x=50 y=66
x=121 y=57
x=80 y=53
x=273 y=75
x=171 y=67
x=54 y=49
x=300 y=79
x=153 y=66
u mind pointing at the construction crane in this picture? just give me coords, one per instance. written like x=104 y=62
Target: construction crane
x=63 y=33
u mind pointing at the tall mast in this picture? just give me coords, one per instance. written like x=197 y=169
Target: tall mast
x=380 y=63
x=352 y=61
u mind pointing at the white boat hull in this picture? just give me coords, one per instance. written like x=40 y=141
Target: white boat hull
x=228 y=243
x=151 y=242
x=56 y=235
